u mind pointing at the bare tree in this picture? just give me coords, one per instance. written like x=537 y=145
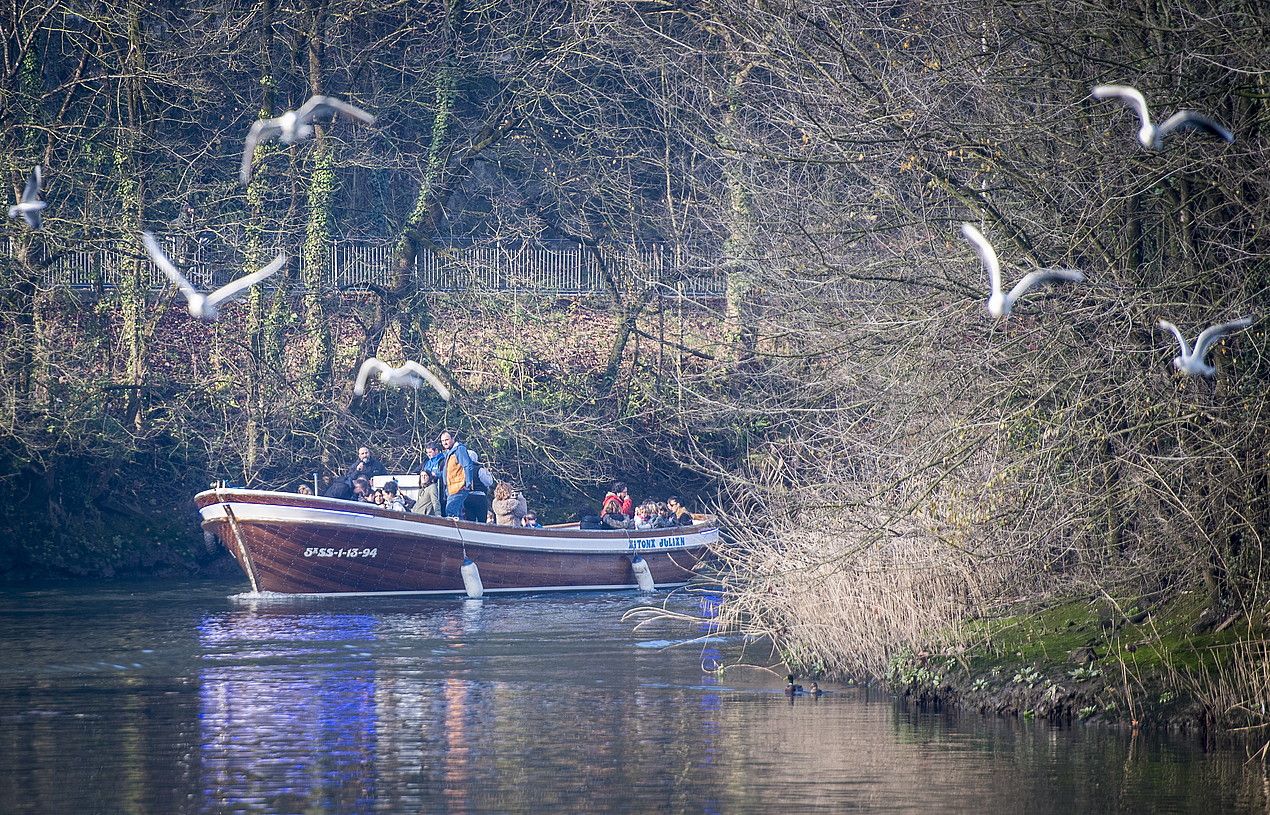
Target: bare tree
x=1050 y=452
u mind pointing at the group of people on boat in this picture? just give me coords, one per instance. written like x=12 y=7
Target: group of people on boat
x=618 y=511
x=453 y=482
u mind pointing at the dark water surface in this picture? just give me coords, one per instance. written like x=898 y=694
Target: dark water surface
x=183 y=698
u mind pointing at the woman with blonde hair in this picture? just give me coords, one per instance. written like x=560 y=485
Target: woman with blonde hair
x=645 y=516
x=508 y=505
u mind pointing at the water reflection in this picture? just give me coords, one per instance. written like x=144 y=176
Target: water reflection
x=429 y=698
x=259 y=720
x=477 y=706
x=711 y=660
x=529 y=704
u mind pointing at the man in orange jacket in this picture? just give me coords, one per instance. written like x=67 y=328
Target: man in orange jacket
x=457 y=474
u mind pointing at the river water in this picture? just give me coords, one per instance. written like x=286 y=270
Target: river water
x=194 y=698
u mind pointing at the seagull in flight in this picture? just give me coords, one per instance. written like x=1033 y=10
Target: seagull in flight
x=296 y=126
x=1150 y=135
x=206 y=307
x=29 y=205
x=1001 y=303
x=409 y=375
x=1192 y=361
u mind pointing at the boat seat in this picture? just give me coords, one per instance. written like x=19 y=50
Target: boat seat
x=407 y=484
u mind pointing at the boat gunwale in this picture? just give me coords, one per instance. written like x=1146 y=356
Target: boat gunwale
x=703 y=524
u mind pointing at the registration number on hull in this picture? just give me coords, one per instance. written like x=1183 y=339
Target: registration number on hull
x=319 y=552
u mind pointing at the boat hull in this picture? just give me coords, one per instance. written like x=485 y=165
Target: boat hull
x=296 y=544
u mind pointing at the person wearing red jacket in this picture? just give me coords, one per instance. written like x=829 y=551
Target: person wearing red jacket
x=617 y=509
x=622 y=495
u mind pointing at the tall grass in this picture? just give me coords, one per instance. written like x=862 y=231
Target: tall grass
x=847 y=603
x=1234 y=689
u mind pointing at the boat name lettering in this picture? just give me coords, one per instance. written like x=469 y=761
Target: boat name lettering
x=318 y=552
x=656 y=543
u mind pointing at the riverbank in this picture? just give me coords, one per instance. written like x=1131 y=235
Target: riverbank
x=1171 y=664
x=102 y=476
x=152 y=537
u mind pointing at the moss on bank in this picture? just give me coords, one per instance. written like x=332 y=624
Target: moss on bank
x=1172 y=663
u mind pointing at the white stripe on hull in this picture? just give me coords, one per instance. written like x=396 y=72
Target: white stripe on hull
x=527 y=590
x=248 y=513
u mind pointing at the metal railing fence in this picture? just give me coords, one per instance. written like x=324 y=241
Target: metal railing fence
x=566 y=269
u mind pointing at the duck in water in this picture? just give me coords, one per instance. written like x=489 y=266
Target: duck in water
x=790 y=688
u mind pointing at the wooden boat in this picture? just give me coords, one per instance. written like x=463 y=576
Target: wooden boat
x=303 y=544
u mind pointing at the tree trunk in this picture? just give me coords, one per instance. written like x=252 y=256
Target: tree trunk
x=317 y=240
x=263 y=329
x=134 y=281
x=739 y=250
x=19 y=301
x=404 y=308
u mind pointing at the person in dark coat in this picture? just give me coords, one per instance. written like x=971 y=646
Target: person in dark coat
x=589 y=520
x=367 y=466
x=680 y=513
x=476 y=504
x=340 y=488
x=363 y=491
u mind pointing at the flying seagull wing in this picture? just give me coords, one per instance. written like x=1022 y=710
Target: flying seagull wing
x=431 y=378
x=29 y=204
x=1189 y=119
x=234 y=287
x=1177 y=335
x=1127 y=93
x=1035 y=278
x=33 y=183
x=986 y=254
x=261 y=129
x=322 y=106
x=372 y=366
x=1214 y=333
x=161 y=260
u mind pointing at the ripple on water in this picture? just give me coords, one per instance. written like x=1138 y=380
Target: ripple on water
x=204 y=700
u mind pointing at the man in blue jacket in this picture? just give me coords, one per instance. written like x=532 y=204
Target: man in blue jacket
x=433 y=458
x=457 y=474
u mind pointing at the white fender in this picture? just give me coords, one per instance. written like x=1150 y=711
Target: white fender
x=472 y=579
x=643 y=576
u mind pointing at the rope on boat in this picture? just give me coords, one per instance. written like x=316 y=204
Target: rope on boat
x=238 y=537
x=471 y=574
x=462 y=543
